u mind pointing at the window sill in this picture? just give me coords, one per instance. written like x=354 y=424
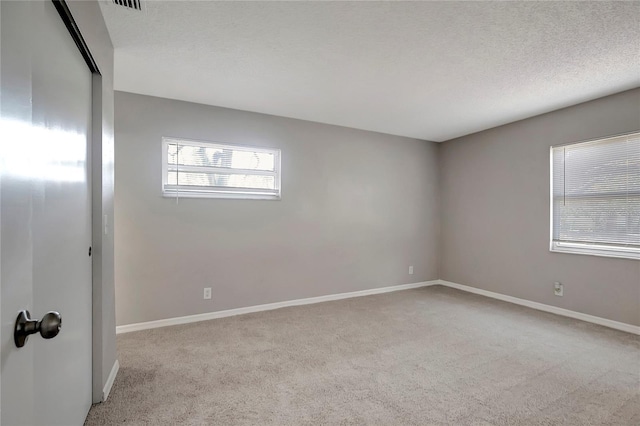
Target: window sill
x=596 y=250
x=227 y=196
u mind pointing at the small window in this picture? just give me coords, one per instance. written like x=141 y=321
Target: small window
x=595 y=197
x=206 y=169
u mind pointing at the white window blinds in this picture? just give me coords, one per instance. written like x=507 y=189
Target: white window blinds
x=596 y=195
x=204 y=169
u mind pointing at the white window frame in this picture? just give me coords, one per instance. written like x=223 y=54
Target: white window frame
x=585 y=248
x=174 y=191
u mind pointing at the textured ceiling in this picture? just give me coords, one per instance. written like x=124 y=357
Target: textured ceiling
x=430 y=70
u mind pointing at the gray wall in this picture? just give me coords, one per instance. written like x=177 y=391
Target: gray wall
x=495 y=213
x=357 y=209
x=91 y=23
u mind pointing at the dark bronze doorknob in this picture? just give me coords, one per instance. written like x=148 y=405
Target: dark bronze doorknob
x=48 y=326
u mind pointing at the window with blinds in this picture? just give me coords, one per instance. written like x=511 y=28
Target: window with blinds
x=595 y=202
x=205 y=169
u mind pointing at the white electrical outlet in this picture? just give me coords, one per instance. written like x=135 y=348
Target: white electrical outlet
x=558 y=288
x=207 y=293
x=411 y=270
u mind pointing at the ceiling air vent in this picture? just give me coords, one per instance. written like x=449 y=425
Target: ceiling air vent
x=129 y=4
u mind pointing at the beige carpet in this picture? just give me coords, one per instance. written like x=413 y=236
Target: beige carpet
x=428 y=356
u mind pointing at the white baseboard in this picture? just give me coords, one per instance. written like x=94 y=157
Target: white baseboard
x=112 y=377
x=267 y=307
x=270 y=306
x=546 y=308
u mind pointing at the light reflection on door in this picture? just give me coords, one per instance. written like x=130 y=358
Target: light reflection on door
x=34 y=152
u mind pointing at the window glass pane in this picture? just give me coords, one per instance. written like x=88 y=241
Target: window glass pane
x=605 y=167
x=596 y=192
x=218 y=156
x=614 y=220
x=221 y=180
x=203 y=169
